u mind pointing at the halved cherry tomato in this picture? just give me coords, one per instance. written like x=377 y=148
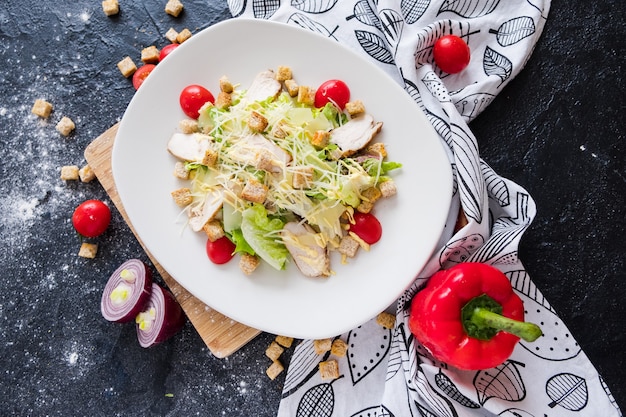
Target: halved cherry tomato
x=335 y=91
x=220 y=251
x=141 y=74
x=166 y=50
x=91 y=218
x=451 y=54
x=193 y=97
x=367 y=227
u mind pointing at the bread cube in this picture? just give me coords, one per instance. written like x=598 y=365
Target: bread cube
x=110 y=7
x=65 y=126
x=42 y=108
x=150 y=55
x=86 y=174
x=70 y=173
x=183 y=35
x=174 y=7
x=88 y=250
x=329 y=369
x=172 y=35
x=127 y=66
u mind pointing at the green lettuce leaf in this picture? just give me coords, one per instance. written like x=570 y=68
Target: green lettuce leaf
x=262 y=234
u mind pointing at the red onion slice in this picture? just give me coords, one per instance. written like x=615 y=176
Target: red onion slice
x=161 y=318
x=127 y=291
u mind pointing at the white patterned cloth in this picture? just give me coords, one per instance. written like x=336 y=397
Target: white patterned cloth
x=386 y=372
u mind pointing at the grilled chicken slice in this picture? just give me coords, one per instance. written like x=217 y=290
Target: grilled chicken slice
x=263 y=86
x=356 y=134
x=257 y=151
x=189 y=147
x=202 y=213
x=309 y=255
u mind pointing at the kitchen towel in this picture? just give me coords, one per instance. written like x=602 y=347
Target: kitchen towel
x=386 y=372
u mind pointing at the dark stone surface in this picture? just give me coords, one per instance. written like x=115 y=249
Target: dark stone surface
x=558 y=130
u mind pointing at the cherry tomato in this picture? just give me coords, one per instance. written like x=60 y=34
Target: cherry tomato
x=193 y=97
x=367 y=227
x=451 y=54
x=220 y=251
x=141 y=74
x=335 y=91
x=91 y=218
x=166 y=50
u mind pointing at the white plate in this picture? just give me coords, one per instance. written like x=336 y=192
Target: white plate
x=283 y=302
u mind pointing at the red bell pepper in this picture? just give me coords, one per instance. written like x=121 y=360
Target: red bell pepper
x=469 y=317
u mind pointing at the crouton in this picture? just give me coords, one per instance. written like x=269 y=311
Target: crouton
x=302 y=177
x=88 y=250
x=283 y=73
x=274 y=370
x=86 y=174
x=365 y=206
x=188 y=126
x=150 y=55
x=292 y=87
x=306 y=95
x=257 y=122
x=284 y=341
x=248 y=263
x=322 y=345
x=182 y=196
x=183 y=35
x=70 y=173
x=254 y=191
x=65 y=126
x=348 y=246
x=339 y=347
x=371 y=194
x=329 y=369
x=274 y=350
x=42 y=108
x=225 y=85
x=210 y=158
x=278 y=131
x=320 y=139
x=213 y=230
x=171 y=35
x=387 y=188
x=127 y=66
x=355 y=107
x=377 y=148
x=387 y=320
x=224 y=100
x=110 y=7
x=174 y=7
x=180 y=171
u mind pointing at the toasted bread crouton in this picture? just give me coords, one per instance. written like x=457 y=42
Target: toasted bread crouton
x=292 y=87
x=188 y=126
x=224 y=100
x=377 y=148
x=302 y=177
x=248 y=263
x=213 y=230
x=387 y=188
x=210 y=158
x=254 y=191
x=348 y=246
x=257 y=122
x=283 y=73
x=284 y=341
x=371 y=194
x=70 y=173
x=387 y=320
x=180 y=171
x=173 y=7
x=320 y=138
x=329 y=369
x=183 y=35
x=306 y=95
x=150 y=55
x=339 y=347
x=65 y=126
x=225 y=85
x=355 y=107
x=86 y=174
x=110 y=7
x=365 y=206
x=171 y=35
x=322 y=345
x=363 y=244
x=274 y=370
x=274 y=350
x=41 y=108
x=182 y=196
x=277 y=130
x=88 y=250
x=127 y=66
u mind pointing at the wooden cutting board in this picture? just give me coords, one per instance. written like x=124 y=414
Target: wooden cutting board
x=221 y=334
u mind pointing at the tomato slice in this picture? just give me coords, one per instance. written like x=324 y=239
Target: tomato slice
x=166 y=50
x=367 y=227
x=451 y=54
x=91 y=218
x=141 y=74
x=335 y=91
x=193 y=97
x=221 y=250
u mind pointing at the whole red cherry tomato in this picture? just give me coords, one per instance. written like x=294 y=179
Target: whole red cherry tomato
x=141 y=74
x=220 y=251
x=335 y=91
x=367 y=227
x=451 y=54
x=91 y=218
x=166 y=50
x=193 y=97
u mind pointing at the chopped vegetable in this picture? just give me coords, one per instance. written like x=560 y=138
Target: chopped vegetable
x=469 y=317
x=161 y=318
x=126 y=292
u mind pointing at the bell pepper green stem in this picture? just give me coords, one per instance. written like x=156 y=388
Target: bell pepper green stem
x=483 y=317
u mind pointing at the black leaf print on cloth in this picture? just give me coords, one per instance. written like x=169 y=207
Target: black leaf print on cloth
x=377 y=411
x=306 y=22
x=470 y=106
x=514 y=30
x=318 y=401
x=313 y=6
x=503 y=382
x=445 y=384
x=264 y=9
x=236 y=7
x=364 y=13
x=427 y=37
x=402 y=351
x=496 y=187
x=432 y=401
x=460 y=250
x=515 y=412
x=391 y=26
x=411 y=88
x=412 y=10
x=368 y=346
x=303 y=366
x=375 y=46
x=469 y=8
x=494 y=63
x=470 y=177
x=505 y=234
x=436 y=87
x=568 y=391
